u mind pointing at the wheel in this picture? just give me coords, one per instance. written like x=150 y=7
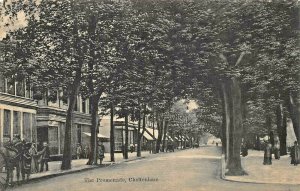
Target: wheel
x=4 y=179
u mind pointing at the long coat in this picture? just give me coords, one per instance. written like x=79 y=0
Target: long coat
x=295 y=154
x=268 y=155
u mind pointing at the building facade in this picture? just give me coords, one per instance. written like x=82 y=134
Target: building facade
x=17 y=111
x=39 y=121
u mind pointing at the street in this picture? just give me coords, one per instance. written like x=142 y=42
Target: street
x=192 y=169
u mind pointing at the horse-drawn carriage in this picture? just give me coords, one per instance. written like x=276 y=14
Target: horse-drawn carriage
x=14 y=155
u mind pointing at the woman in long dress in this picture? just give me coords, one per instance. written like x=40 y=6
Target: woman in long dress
x=295 y=154
x=34 y=161
x=268 y=154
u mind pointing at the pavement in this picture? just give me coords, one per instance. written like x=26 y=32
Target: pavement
x=79 y=165
x=280 y=172
x=188 y=170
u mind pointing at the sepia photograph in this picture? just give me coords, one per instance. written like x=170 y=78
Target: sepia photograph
x=149 y=95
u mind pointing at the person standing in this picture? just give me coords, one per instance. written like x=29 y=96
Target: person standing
x=34 y=159
x=78 y=151
x=277 y=149
x=244 y=149
x=295 y=154
x=86 y=151
x=268 y=154
x=131 y=148
x=101 y=153
x=45 y=156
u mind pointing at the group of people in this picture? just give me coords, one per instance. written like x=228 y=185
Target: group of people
x=275 y=149
x=84 y=152
x=39 y=157
x=34 y=158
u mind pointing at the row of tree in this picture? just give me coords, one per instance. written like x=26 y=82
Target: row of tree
x=136 y=58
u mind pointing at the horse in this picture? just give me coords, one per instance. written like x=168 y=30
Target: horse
x=14 y=157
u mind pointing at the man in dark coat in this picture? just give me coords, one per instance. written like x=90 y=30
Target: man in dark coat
x=45 y=156
x=295 y=154
x=244 y=149
x=101 y=152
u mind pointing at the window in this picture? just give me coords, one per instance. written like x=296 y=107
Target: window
x=26 y=126
x=16 y=123
x=2 y=83
x=6 y=129
x=11 y=86
x=20 y=88
x=53 y=140
x=83 y=106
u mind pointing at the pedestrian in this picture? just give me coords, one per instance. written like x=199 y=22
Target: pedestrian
x=45 y=156
x=26 y=160
x=295 y=154
x=101 y=152
x=34 y=159
x=244 y=150
x=268 y=154
x=277 y=149
x=78 y=151
x=131 y=148
x=150 y=147
x=86 y=151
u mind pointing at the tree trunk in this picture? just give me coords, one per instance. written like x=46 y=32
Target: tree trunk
x=112 y=134
x=269 y=127
x=223 y=129
x=140 y=135
x=159 y=136
x=295 y=115
x=282 y=137
x=126 y=137
x=281 y=129
x=181 y=140
x=165 y=134
x=67 y=154
x=94 y=99
x=233 y=111
x=93 y=157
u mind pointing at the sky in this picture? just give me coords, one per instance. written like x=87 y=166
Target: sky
x=20 y=22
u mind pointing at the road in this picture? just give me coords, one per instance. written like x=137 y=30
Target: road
x=187 y=170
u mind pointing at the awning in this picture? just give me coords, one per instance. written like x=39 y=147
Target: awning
x=169 y=138
x=147 y=135
x=99 y=135
x=150 y=131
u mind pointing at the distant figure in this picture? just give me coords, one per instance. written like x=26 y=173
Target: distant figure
x=150 y=147
x=27 y=160
x=45 y=156
x=268 y=154
x=244 y=150
x=217 y=144
x=34 y=159
x=295 y=154
x=101 y=152
x=131 y=148
x=86 y=151
x=78 y=151
x=277 y=149
x=257 y=144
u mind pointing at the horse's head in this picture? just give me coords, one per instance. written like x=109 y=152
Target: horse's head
x=27 y=146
